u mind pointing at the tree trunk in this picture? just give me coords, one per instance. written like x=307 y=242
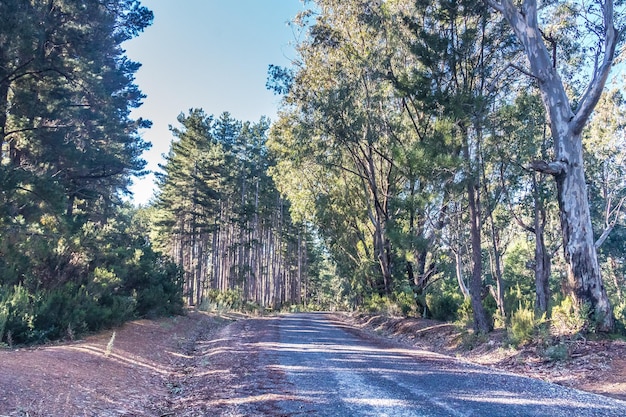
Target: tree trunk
x=496 y=266
x=476 y=284
x=542 y=258
x=583 y=271
x=4 y=102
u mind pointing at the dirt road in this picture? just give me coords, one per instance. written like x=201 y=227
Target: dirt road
x=291 y=365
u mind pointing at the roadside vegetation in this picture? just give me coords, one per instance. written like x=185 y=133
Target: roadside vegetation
x=418 y=168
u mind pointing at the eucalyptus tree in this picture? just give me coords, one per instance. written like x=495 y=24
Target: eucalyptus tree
x=521 y=130
x=327 y=197
x=568 y=117
x=403 y=87
x=604 y=142
x=341 y=94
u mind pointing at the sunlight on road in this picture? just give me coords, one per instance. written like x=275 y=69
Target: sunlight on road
x=347 y=373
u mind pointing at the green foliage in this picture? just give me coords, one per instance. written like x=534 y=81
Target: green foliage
x=558 y=352
x=522 y=326
x=464 y=314
x=66 y=295
x=444 y=307
x=406 y=301
x=68 y=246
x=397 y=305
x=223 y=300
x=19 y=314
x=566 y=319
x=378 y=304
x=519 y=277
x=619 y=311
x=222 y=219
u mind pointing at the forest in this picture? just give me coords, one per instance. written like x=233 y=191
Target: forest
x=461 y=160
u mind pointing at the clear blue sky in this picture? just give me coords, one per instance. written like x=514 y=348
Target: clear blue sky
x=211 y=54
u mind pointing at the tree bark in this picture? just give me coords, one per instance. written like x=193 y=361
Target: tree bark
x=583 y=271
x=476 y=284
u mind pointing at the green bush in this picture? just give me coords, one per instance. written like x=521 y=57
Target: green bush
x=223 y=300
x=619 y=312
x=464 y=314
x=443 y=307
x=18 y=310
x=155 y=284
x=522 y=326
x=406 y=302
x=90 y=276
x=568 y=320
x=150 y=288
x=399 y=304
x=558 y=352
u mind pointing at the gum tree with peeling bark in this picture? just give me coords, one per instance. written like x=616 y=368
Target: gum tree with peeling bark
x=566 y=124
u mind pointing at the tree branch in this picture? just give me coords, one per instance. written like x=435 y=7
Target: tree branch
x=524 y=71
x=610 y=224
x=596 y=85
x=495 y=5
x=552 y=168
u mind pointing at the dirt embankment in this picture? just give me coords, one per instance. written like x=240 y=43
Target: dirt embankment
x=597 y=366
x=133 y=373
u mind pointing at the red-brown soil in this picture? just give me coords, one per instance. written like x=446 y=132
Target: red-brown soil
x=188 y=365
x=134 y=378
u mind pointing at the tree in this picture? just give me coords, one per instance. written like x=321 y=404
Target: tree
x=521 y=128
x=343 y=96
x=66 y=91
x=189 y=191
x=566 y=124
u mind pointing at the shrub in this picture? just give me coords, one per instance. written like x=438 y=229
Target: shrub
x=406 y=302
x=19 y=315
x=619 y=311
x=223 y=300
x=465 y=315
x=155 y=283
x=443 y=307
x=558 y=352
x=522 y=326
x=568 y=320
x=400 y=304
x=92 y=275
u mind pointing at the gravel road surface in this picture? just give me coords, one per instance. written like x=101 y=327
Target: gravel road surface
x=330 y=369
